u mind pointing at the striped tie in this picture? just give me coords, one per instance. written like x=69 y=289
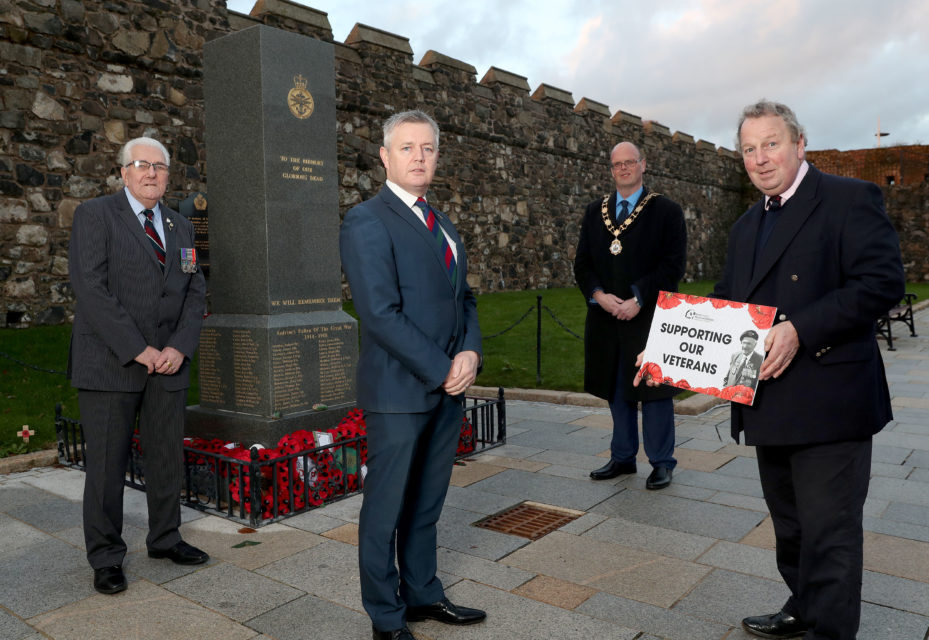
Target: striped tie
x=451 y=266
x=153 y=236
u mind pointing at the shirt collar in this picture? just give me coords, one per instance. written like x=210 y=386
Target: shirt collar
x=408 y=198
x=632 y=199
x=801 y=173
x=138 y=207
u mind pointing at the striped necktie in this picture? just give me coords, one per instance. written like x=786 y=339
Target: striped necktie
x=623 y=212
x=451 y=265
x=153 y=236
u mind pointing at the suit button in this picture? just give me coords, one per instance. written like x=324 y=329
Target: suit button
x=782 y=317
x=794 y=277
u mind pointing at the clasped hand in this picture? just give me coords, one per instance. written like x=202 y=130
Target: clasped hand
x=166 y=361
x=462 y=372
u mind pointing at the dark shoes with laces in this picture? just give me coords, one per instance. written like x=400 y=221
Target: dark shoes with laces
x=776 y=625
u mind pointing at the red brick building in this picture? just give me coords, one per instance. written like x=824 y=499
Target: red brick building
x=887 y=166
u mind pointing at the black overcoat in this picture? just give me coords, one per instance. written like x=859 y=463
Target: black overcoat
x=653 y=258
x=831 y=266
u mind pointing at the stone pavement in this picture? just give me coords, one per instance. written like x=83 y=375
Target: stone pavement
x=685 y=563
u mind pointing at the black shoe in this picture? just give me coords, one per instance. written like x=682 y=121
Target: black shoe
x=396 y=634
x=776 y=625
x=612 y=469
x=659 y=478
x=181 y=553
x=445 y=611
x=109 y=580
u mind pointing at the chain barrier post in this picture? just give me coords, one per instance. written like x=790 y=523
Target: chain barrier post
x=538 y=341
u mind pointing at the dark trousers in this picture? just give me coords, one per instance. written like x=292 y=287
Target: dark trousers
x=108 y=418
x=816 y=495
x=410 y=458
x=657 y=427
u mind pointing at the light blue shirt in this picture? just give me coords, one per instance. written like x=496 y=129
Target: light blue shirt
x=632 y=200
x=138 y=208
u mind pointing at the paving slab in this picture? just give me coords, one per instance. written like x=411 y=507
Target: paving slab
x=888 y=622
x=12 y=628
x=646 y=537
x=328 y=570
x=609 y=567
x=910 y=513
x=234 y=592
x=312 y=617
x=42 y=577
x=559 y=593
x=480 y=502
x=464 y=474
x=455 y=531
x=725 y=597
x=742 y=558
x=896 y=556
x=513 y=617
x=899 y=593
x=246 y=547
x=669 y=624
x=469 y=567
x=143 y=612
x=679 y=514
x=561 y=492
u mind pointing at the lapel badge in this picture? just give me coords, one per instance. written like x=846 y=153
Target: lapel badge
x=189 y=260
x=170 y=223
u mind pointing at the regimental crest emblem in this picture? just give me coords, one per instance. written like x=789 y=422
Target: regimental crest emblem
x=299 y=99
x=200 y=202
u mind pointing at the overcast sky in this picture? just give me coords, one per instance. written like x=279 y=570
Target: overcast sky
x=842 y=65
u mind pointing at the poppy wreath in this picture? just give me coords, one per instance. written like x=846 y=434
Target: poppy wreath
x=298 y=471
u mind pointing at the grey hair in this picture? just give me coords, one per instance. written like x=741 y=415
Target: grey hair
x=414 y=115
x=126 y=152
x=769 y=108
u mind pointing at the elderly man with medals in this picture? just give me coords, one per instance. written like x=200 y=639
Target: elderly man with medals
x=633 y=244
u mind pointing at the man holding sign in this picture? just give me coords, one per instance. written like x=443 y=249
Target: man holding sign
x=633 y=243
x=822 y=250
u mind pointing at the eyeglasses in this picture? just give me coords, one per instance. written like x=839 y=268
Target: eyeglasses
x=145 y=165
x=624 y=164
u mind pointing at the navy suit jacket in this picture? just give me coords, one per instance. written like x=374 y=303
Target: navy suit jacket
x=124 y=300
x=831 y=266
x=414 y=319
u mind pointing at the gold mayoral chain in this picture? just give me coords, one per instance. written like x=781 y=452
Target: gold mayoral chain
x=616 y=246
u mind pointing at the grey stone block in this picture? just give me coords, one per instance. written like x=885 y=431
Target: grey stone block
x=58 y=574
x=689 y=516
x=480 y=570
x=12 y=628
x=20 y=494
x=328 y=570
x=726 y=597
x=666 y=542
x=562 y=492
x=16 y=534
x=312 y=617
x=888 y=454
x=719 y=482
x=52 y=515
x=233 y=592
x=900 y=490
x=911 y=513
x=670 y=624
x=314 y=522
x=918 y=458
x=743 y=502
x=897 y=529
x=742 y=558
x=898 y=593
x=480 y=502
x=889 y=470
x=888 y=622
x=455 y=532
x=583 y=524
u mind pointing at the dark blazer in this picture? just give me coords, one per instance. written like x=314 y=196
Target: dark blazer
x=653 y=258
x=831 y=266
x=124 y=301
x=414 y=319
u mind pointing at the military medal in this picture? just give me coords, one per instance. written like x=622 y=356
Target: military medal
x=189 y=260
x=616 y=247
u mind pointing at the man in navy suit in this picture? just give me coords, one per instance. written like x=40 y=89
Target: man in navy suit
x=140 y=302
x=822 y=250
x=420 y=351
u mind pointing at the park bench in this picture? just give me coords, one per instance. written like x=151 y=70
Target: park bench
x=903 y=312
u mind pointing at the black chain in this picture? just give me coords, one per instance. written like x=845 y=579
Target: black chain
x=560 y=323
x=512 y=326
x=30 y=366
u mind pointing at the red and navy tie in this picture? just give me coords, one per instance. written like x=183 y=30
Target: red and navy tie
x=153 y=236
x=451 y=266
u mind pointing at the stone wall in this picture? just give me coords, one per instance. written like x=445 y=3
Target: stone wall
x=517 y=165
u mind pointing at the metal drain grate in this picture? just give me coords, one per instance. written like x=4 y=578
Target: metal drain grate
x=529 y=520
